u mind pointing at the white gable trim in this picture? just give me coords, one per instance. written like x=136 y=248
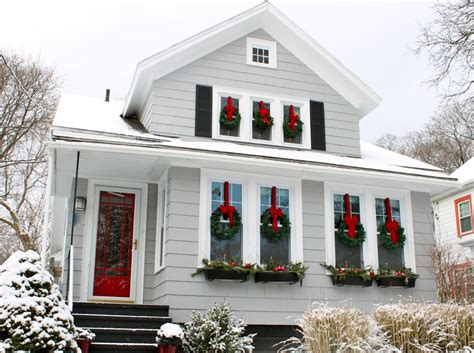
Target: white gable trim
x=276 y=24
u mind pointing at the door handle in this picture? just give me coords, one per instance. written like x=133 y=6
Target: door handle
x=135 y=244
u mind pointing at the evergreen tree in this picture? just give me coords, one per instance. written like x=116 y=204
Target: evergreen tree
x=217 y=331
x=33 y=314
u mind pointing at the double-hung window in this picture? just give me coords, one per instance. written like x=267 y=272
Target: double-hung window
x=226 y=249
x=388 y=258
x=464 y=218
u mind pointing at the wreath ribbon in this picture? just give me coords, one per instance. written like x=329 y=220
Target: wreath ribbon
x=264 y=113
x=276 y=213
x=226 y=209
x=229 y=109
x=391 y=224
x=293 y=118
x=350 y=220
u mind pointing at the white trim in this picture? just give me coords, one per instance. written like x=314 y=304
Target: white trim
x=162 y=200
x=367 y=196
x=276 y=24
x=271 y=46
x=137 y=278
x=246 y=99
x=250 y=206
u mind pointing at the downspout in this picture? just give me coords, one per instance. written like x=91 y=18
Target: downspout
x=69 y=293
x=46 y=234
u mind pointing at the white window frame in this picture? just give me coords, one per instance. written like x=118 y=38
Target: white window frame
x=262 y=44
x=367 y=196
x=250 y=212
x=162 y=200
x=246 y=99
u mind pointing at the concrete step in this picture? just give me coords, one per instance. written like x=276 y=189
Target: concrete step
x=119 y=321
x=120 y=309
x=100 y=347
x=124 y=335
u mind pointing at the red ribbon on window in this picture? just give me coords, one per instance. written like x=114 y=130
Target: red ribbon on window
x=293 y=118
x=391 y=224
x=351 y=221
x=227 y=210
x=264 y=113
x=229 y=109
x=275 y=212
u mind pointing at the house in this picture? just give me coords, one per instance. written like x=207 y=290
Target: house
x=254 y=114
x=454 y=225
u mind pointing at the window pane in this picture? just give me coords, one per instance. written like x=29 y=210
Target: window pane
x=255 y=58
x=464 y=209
x=254 y=51
x=466 y=224
x=265 y=59
x=223 y=130
x=217 y=192
x=260 y=51
x=265 y=52
x=346 y=256
x=391 y=259
x=256 y=133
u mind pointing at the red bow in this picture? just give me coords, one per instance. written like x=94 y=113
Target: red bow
x=275 y=212
x=264 y=113
x=350 y=220
x=293 y=118
x=226 y=209
x=391 y=224
x=229 y=109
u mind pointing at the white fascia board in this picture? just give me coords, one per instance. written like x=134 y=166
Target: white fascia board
x=281 y=28
x=308 y=171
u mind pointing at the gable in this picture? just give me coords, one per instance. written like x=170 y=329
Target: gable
x=170 y=108
x=275 y=23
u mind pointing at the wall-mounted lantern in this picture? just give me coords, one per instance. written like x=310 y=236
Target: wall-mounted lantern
x=81 y=203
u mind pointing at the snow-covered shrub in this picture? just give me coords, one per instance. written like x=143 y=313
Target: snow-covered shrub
x=339 y=329
x=4 y=347
x=169 y=334
x=217 y=331
x=84 y=334
x=427 y=327
x=33 y=314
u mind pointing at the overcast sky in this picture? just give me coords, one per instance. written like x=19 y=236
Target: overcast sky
x=95 y=44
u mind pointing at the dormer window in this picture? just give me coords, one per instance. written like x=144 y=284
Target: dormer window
x=261 y=53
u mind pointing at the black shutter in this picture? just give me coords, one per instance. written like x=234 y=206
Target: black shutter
x=318 y=130
x=203 y=121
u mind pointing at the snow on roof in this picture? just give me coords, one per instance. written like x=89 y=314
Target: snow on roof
x=92 y=119
x=377 y=153
x=465 y=173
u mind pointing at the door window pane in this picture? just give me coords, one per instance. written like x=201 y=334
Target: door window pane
x=226 y=249
x=391 y=259
x=346 y=256
x=278 y=251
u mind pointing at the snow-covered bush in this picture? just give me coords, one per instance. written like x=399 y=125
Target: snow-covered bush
x=217 y=331
x=427 y=327
x=33 y=314
x=84 y=334
x=169 y=334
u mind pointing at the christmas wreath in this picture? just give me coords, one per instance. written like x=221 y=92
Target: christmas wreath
x=350 y=231
x=262 y=119
x=229 y=212
x=391 y=233
x=292 y=124
x=230 y=116
x=270 y=228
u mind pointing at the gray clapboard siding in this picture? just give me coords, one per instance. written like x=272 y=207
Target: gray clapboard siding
x=170 y=108
x=269 y=303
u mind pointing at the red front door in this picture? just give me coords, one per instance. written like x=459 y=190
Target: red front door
x=113 y=254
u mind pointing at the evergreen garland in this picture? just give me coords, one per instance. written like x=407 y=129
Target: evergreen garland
x=345 y=239
x=386 y=239
x=260 y=124
x=289 y=132
x=267 y=229
x=230 y=124
x=221 y=232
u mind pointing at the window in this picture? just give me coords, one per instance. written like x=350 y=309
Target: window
x=346 y=256
x=278 y=251
x=392 y=259
x=464 y=219
x=257 y=133
x=286 y=119
x=261 y=52
x=224 y=131
x=160 y=231
x=226 y=249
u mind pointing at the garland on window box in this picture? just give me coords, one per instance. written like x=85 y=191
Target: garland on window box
x=274 y=266
x=275 y=223
x=234 y=264
x=262 y=119
x=341 y=274
x=391 y=233
x=229 y=212
x=403 y=276
x=292 y=124
x=230 y=116
x=350 y=231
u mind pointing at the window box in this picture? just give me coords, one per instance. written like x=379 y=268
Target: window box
x=230 y=275
x=396 y=282
x=282 y=277
x=351 y=281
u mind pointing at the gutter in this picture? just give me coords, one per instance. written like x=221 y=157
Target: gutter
x=176 y=151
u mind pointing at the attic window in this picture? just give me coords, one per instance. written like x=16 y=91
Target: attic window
x=261 y=53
